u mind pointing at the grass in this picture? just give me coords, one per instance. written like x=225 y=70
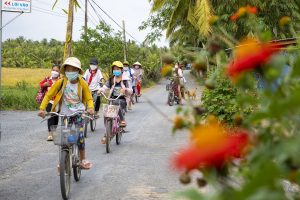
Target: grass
x=10 y=76
x=20 y=97
x=19 y=88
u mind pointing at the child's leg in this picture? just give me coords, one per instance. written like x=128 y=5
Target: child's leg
x=138 y=88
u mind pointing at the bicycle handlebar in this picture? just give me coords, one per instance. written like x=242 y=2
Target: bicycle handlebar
x=110 y=99
x=64 y=115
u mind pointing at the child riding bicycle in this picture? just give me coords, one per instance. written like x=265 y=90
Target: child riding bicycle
x=116 y=85
x=71 y=94
x=94 y=78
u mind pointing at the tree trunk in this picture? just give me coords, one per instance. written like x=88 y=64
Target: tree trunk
x=68 y=44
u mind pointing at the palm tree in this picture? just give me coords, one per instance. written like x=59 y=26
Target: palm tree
x=196 y=12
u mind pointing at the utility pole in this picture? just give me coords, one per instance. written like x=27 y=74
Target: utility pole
x=0 y=51
x=85 y=18
x=68 y=44
x=125 y=44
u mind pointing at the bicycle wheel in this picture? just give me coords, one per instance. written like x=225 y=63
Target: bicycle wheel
x=170 y=99
x=85 y=127
x=119 y=134
x=108 y=134
x=76 y=163
x=65 y=174
x=136 y=98
x=93 y=125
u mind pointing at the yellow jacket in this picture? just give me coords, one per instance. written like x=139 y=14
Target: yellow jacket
x=57 y=92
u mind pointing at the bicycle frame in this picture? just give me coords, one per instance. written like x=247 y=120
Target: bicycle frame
x=115 y=120
x=112 y=125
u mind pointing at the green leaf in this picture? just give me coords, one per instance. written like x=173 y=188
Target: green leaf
x=54 y=4
x=65 y=11
x=191 y=194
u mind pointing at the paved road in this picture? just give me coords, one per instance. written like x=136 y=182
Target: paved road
x=138 y=169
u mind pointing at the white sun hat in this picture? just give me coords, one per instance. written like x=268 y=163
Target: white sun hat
x=72 y=61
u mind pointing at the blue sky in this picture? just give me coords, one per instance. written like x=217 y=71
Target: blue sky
x=43 y=22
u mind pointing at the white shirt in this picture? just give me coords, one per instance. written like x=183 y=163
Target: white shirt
x=95 y=84
x=138 y=73
x=126 y=74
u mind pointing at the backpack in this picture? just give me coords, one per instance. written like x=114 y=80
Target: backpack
x=131 y=76
x=41 y=94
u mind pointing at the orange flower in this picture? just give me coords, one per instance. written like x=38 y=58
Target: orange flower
x=246 y=46
x=243 y=11
x=284 y=21
x=208 y=135
x=212 y=146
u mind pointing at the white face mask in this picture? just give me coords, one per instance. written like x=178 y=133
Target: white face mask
x=176 y=66
x=125 y=68
x=54 y=74
x=93 y=67
x=136 y=66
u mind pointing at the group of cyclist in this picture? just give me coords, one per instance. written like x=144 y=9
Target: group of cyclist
x=78 y=90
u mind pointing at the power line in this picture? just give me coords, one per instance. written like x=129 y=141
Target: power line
x=52 y=13
x=114 y=21
x=11 y=20
x=98 y=15
x=48 y=4
x=93 y=20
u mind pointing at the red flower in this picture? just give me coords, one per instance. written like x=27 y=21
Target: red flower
x=252 y=60
x=242 y=11
x=251 y=9
x=234 y=17
x=194 y=157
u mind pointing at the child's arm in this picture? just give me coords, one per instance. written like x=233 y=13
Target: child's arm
x=105 y=87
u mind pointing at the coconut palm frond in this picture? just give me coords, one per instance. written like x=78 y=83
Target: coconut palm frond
x=157 y=4
x=54 y=4
x=199 y=15
x=178 y=16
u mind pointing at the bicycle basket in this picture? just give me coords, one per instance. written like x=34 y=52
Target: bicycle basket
x=65 y=136
x=110 y=111
x=168 y=87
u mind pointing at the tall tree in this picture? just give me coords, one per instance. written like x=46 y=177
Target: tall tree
x=176 y=16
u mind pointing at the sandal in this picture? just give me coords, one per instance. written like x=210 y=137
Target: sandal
x=50 y=138
x=85 y=165
x=103 y=140
x=123 y=124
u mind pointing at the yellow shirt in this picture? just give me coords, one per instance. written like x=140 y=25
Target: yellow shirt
x=57 y=92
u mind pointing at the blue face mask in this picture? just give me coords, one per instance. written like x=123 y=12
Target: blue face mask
x=117 y=73
x=72 y=76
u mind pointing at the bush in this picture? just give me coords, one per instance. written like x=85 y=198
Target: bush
x=220 y=101
x=21 y=97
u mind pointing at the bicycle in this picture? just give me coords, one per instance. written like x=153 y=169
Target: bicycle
x=92 y=121
x=69 y=156
x=134 y=97
x=112 y=122
x=173 y=92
